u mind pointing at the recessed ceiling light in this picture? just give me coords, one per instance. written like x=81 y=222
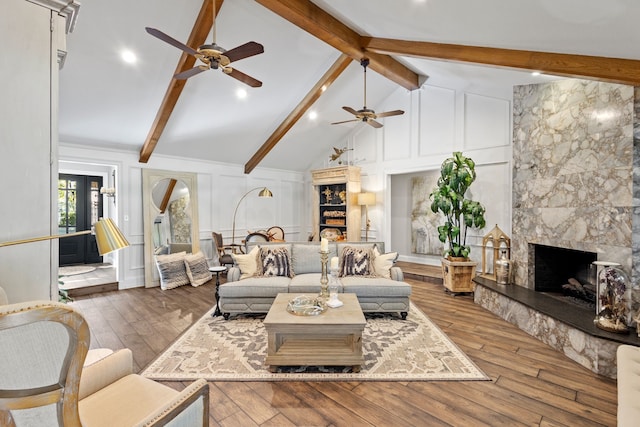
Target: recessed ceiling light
x=128 y=56
x=535 y=73
x=241 y=93
x=324 y=87
x=313 y=115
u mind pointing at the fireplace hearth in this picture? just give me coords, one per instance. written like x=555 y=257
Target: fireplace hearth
x=563 y=273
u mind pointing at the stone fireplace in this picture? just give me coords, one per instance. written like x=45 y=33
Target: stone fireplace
x=575 y=188
x=573 y=168
x=565 y=274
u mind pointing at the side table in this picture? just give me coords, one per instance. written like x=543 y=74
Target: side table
x=217 y=269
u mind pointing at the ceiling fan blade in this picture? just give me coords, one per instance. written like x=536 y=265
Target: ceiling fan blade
x=345 y=121
x=168 y=39
x=238 y=75
x=190 y=72
x=374 y=123
x=390 y=113
x=350 y=110
x=244 y=51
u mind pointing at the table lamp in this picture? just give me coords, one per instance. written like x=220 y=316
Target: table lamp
x=366 y=199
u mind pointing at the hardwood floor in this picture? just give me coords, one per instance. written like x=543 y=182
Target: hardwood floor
x=532 y=384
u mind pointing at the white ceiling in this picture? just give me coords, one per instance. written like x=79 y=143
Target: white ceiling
x=107 y=103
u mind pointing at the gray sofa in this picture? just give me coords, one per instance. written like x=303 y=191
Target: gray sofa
x=256 y=294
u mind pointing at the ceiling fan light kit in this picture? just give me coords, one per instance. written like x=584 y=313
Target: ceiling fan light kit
x=214 y=56
x=365 y=114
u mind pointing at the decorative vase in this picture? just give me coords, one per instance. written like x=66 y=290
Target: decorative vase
x=614 y=299
x=503 y=269
x=334 y=286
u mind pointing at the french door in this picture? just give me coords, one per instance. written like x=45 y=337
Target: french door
x=79 y=207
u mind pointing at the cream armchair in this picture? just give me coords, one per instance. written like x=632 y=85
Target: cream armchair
x=43 y=382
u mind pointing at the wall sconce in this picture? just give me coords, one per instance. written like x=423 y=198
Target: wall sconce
x=366 y=199
x=497 y=240
x=265 y=192
x=109 y=192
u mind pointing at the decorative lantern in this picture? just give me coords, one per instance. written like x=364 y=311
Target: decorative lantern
x=496 y=240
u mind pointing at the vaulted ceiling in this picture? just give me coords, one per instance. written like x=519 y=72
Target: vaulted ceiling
x=139 y=107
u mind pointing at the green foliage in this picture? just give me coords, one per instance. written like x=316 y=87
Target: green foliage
x=457 y=173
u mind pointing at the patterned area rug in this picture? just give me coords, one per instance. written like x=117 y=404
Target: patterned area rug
x=394 y=350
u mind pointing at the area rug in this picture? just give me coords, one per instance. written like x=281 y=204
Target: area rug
x=215 y=349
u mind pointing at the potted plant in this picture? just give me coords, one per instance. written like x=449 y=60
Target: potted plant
x=457 y=173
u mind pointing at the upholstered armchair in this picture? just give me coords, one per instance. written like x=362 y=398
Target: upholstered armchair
x=44 y=381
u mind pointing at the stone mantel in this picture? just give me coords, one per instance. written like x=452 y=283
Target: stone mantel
x=569 y=330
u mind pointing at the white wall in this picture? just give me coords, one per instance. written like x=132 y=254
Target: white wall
x=220 y=187
x=28 y=144
x=437 y=121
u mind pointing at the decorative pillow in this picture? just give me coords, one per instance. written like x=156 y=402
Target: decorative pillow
x=355 y=262
x=197 y=269
x=247 y=263
x=275 y=261
x=382 y=263
x=173 y=272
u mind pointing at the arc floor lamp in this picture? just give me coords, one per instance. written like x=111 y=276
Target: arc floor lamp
x=265 y=192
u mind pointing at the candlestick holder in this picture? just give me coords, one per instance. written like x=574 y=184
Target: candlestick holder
x=324 y=280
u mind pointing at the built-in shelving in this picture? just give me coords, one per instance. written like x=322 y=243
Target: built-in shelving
x=336 y=213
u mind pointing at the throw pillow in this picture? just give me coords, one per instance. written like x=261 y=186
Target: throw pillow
x=247 y=263
x=355 y=262
x=275 y=261
x=382 y=263
x=197 y=269
x=172 y=271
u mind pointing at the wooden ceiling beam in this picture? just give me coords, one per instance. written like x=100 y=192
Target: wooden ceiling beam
x=327 y=79
x=198 y=36
x=325 y=27
x=615 y=70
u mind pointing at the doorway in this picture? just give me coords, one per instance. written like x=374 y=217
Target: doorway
x=79 y=207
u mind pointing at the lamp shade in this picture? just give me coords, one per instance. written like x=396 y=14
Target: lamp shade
x=366 y=199
x=108 y=237
x=265 y=192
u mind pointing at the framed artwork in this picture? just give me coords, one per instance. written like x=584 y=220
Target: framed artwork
x=424 y=223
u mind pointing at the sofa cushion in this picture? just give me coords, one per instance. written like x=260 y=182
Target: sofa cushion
x=172 y=270
x=382 y=263
x=125 y=402
x=247 y=263
x=306 y=283
x=375 y=287
x=255 y=287
x=197 y=269
x=275 y=261
x=306 y=257
x=355 y=262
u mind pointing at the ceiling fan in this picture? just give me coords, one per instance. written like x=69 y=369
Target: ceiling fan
x=213 y=56
x=366 y=114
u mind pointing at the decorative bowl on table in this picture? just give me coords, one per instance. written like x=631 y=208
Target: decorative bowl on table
x=306 y=306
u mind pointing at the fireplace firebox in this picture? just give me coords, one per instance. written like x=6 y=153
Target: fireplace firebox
x=564 y=273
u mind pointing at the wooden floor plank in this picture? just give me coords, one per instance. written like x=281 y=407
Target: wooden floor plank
x=533 y=384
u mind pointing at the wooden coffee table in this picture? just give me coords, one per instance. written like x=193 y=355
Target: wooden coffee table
x=331 y=338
